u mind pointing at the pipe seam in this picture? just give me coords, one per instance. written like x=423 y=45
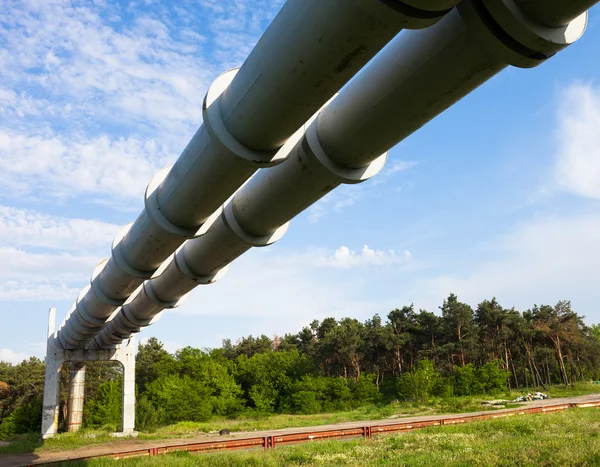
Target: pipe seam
x=153 y=209
x=213 y=122
x=181 y=264
x=234 y=226
x=119 y=258
x=94 y=283
x=347 y=175
x=416 y=12
x=512 y=36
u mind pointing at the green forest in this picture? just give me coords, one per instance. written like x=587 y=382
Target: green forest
x=328 y=366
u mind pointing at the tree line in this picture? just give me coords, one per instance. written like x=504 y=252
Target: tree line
x=330 y=365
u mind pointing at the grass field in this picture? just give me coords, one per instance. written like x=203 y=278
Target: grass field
x=66 y=441
x=570 y=438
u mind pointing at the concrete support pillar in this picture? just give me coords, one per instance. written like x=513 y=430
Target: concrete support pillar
x=51 y=383
x=128 y=362
x=56 y=356
x=76 y=397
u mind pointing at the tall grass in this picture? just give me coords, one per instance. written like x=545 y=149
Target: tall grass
x=570 y=438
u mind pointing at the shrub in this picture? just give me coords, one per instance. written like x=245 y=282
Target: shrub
x=419 y=384
x=147 y=416
x=365 y=390
x=466 y=382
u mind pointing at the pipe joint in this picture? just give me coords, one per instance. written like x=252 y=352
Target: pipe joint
x=421 y=14
x=234 y=226
x=95 y=282
x=514 y=37
x=181 y=264
x=149 y=291
x=153 y=209
x=347 y=175
x=213 y=122
x=119 y=258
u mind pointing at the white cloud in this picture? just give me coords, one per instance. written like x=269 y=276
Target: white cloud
x=51 y=166
x=578 y=160
x=346 y=258
x=7 y=355
x=21 y=227
x=41 y=276
x=542 y=260
x=340 y=198
x=399 y=166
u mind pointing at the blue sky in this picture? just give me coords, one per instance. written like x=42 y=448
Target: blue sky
x=499 y=196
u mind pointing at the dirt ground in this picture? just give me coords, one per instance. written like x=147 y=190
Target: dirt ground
x=129 y=444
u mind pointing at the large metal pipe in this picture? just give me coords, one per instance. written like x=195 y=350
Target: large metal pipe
x=309 y=51
x=419 y=75
x=555 y=13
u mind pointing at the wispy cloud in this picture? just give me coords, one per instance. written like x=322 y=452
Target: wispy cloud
x=577 y=167
x=27 y=228
x=342 y=197
x=7 y=355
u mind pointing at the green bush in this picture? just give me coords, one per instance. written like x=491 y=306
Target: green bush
x=306 y=402
x=147 y=416
x=419 y=384
x=25 y=419
x=365 y=390
x=492 y=378
x=106 y=409
x=181 y=398
x=466 y=382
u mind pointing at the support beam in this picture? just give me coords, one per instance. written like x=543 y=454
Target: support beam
x=76 y=397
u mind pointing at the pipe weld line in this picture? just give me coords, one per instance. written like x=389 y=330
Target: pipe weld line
x=179 y=259
x=342 y=174
x=153 y=209
x=417 y=13
x=135 y=322
x=125 y=322
x=119 y=258
x=94 y=284
x=513 y=36
x=253 y=240
x=82 y=312
x=213 y=122
x=156 y=299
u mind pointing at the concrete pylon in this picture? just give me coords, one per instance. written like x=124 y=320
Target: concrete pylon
x=56 y=357
x=76 y=397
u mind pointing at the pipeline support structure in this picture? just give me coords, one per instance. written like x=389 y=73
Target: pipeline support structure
x=277 y=120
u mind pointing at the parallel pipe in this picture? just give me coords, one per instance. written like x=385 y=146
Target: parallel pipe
x=310 y=50
x=418 y=76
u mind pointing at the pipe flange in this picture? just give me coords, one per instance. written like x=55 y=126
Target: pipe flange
x=154 y=212
x=514 y=37
x=343 y=174
x=95 y=286
x=179 y=259
x=119 y=258
x=213 y=122
x=253 y=240
x=149 y=291
x=423 y=15
x=530 y=33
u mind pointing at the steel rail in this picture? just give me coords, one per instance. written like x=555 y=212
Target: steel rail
x=270 y=441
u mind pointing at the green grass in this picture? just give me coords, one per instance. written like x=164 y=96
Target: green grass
x=570 y=438
x=68 y=441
